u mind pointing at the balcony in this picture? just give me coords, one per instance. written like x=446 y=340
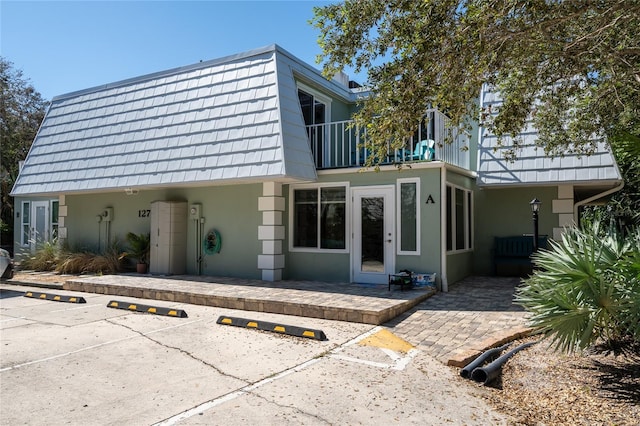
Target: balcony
x=342 y=144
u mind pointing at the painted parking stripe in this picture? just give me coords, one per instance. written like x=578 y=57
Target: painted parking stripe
x=99 y=345
x=270 y=326
x=13 y=319
x=388 y=343
x=157 y=310
x=387 y=340
x=55 y=297
x=246 y=389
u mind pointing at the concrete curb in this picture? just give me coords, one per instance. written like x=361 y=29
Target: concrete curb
x=38 y=284
x=466 y=355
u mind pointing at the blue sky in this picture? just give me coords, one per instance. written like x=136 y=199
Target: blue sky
x=64 y=46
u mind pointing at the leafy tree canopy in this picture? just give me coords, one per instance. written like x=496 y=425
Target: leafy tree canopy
x=573 y=66
x=21 y=112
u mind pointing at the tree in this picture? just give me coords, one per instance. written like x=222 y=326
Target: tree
x=21 y=112
x=571 y=66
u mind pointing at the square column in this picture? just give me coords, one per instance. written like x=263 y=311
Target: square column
x=271 y=232
x=62 y=219
x=563 y=207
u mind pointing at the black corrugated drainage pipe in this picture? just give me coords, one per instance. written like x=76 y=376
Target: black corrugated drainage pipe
x=489 y=372
x=488 y=355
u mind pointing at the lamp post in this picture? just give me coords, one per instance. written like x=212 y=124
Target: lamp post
x=535 y=207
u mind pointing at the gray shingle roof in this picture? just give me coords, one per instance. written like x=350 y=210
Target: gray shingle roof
x=232 y=119
x=532 y=166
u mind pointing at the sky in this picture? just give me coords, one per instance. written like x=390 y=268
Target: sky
x=64 y=46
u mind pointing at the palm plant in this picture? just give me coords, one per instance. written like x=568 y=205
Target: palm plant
x=139 y=246
x=586 y=289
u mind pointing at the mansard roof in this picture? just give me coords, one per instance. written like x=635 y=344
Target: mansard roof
x=234 y=119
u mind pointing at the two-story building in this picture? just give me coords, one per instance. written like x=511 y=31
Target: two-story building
x=248 y=166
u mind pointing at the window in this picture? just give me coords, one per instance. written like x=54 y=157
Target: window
x=54 y=219
x=316 y=111
x=26 y=208
x=408 y=223
x=319 y=218
x=459 y=219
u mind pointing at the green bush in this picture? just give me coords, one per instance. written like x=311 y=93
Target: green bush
x=585 y=290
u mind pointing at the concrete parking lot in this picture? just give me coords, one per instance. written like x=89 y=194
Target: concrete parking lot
x=90 y=364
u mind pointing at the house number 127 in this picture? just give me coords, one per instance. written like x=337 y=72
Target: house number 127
x=144 y=213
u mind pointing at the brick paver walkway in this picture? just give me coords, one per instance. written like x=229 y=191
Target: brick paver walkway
x=475 y=314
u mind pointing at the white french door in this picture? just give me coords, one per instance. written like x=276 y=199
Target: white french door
x=373 y=255
x=39 y=224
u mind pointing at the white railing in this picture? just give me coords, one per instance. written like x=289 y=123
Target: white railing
x=343 y=144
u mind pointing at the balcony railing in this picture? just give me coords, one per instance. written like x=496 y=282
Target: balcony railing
x=343 y=144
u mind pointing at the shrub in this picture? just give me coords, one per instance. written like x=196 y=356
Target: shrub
x=585 y=290
x=65 y=261
x=108 y=262
x=44 y=259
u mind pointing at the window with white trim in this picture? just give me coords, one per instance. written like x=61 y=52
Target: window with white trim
x=24 y=222
x=55 y=207
x=408 y=193
x=459 y=219
x=319 y=218
x=316 y=112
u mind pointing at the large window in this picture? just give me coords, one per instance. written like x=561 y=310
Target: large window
x=459 y=219
x=408 y=214
x=319 y=218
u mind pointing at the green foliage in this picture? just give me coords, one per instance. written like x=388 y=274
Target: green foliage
x=139 y=246
x=21 y=112
x=586 y=289
x=623 y=208
x=574 y=67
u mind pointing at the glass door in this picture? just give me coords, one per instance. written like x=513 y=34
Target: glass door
x=373 y=257
x=39 y=224
x=314 y=112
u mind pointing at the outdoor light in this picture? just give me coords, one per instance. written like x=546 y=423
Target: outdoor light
x=535 y=207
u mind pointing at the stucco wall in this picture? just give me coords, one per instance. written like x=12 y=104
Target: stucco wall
x=502 y=212
x=336 y=266
x=232 y=210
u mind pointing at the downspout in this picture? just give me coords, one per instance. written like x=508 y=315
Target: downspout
x=579 y=204
x=444 y=286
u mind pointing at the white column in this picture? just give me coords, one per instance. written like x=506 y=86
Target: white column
x=271 y=232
